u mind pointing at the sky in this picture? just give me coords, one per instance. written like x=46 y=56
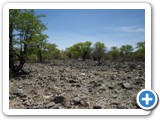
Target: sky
x=113 y=27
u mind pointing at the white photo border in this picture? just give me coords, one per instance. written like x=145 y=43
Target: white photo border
x=8 y=6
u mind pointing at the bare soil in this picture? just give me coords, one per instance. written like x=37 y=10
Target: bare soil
x=74 y=84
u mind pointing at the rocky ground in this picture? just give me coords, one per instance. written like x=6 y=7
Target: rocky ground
x=77 y=85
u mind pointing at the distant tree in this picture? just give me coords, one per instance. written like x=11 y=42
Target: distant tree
x=98 y=51
x=79 y=50
x=126 y=51
x=62 y=55
x=114 y=53
x=51 y=52
x=140 y=52
x=85 y=50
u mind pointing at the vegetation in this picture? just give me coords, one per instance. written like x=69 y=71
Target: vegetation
x=25 y=32
x=98 y=51
x=27 y=42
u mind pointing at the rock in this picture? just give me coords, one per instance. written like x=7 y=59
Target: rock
x=75 y=101
x=97 y=84
x=114 y=96
x=21 y=95
x=121 y=107
x=101 y=90
x=96 y=73
x=51 y=104
x=110 y=86
x=72 y=81
x=49 y=86
x=97 y=107
x=78 y=85
x=83 y=102
x=56 y=106
x=47 y=96
x=58 y=99
x=139 y=67
x=83 y=74
x=49 y=77
x=126 y=85
x=129 y=77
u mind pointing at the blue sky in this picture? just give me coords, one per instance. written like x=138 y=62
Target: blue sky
x=114 y=27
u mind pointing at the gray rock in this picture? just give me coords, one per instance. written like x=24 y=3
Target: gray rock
x=127 y=86
x=58 y=99
x=83 y=74
x=75 y=101
x=83 y=102
x=72 y=81
x=51 y=104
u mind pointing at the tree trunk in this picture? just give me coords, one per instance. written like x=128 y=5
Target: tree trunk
x=11 y=53
x=39 y=54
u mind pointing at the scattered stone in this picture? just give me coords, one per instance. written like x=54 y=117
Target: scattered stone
x=51 y=104
x=58 y=99
x=96 y=73
x=83 y=102
x=49 y=86
x=72 y=81
x=21 y=95
x=114 y=96
x=126 y=85
x=78 y=86
x=83 y=74
x=97 y=107
x=75 y=101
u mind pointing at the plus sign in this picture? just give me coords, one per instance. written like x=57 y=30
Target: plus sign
x=147 y=99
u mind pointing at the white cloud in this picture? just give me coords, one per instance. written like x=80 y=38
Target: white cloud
x=125 y=29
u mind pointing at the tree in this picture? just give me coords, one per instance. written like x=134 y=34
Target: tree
x=41 y=47
x=85 y=50
x=13 y=18
x=140 y=53
x=126 y=51
x=98 y=51
x=24 y=27
x=51 y=51
x=114 y=53
x=80 y=50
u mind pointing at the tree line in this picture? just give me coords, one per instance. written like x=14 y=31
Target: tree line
x=27 y=42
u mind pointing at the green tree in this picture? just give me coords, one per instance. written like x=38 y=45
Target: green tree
x=51 y=52
x=41 y=47
x=98 y=51
x=126 y=51
x=13 y=18
x=114 y=53
x=140 y=53
x=24 y=26
x=85 y=50
x=80 y=50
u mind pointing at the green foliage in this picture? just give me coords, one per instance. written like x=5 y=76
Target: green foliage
x=25 y=34
x=140 y=53
x=27 y=42
x=126 y=49
x=79 y=50
x=98 y=51
x=126 y=52
x=51 y=51
x=114 y=53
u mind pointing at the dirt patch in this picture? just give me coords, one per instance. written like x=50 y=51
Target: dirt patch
x=77 y=85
